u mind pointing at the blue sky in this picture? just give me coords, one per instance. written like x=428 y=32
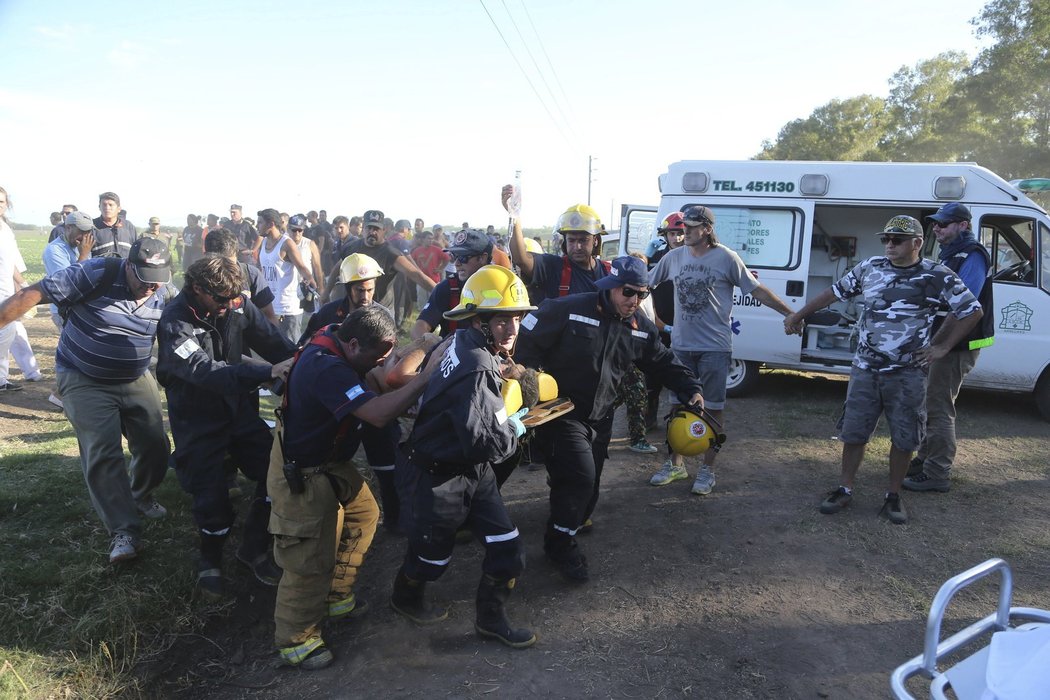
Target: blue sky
x=418 y=108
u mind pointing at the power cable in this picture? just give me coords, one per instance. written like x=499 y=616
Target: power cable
x=561 y=131
x=543 y=48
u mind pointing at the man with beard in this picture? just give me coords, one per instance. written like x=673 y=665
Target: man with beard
x=471 y=251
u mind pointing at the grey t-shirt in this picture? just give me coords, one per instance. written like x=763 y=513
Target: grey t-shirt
x=703 y=295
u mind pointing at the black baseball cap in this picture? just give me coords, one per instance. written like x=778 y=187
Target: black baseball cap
x=151 y=260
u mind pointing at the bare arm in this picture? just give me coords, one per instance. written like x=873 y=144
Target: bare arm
x=385 y=408
x=405 y=265
x=315 y=261
x=291 y=253
x=519 y=254
x=793 y=321
x=767 y=297
x=952 y=331
x=20 y=302
x=420 y=328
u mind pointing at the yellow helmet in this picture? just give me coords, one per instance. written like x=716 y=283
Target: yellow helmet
x=533 y=246
x=514 y=397
x=493 y=288
x=358 y=268
x=691 y=432
x=581 y=218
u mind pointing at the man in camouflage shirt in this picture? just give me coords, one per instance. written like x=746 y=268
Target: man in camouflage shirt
x=899 y=294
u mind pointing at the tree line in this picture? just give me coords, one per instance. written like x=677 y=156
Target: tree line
x=993 y=110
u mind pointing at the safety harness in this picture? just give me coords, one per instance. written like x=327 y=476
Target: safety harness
x=566 y=274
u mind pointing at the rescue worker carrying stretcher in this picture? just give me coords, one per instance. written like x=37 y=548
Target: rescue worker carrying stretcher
x=204 y=336
x=461 y=431
x=589 y=342
x=324 y=516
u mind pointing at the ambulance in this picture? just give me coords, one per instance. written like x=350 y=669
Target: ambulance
x=801 y=225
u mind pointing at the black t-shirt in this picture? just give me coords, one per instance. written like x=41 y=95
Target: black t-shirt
x=439 y=302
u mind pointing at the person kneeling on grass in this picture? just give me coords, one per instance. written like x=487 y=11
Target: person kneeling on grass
x=902 y=293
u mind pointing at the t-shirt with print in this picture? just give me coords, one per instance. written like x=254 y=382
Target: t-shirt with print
x=703 y=296
x=898 y=305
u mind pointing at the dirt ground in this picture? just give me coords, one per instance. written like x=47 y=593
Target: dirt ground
x=746 y=593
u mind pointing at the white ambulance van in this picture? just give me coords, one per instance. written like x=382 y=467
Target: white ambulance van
x=800 y=225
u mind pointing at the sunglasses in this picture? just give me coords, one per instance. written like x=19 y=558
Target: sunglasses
x=946 y=224
x=464 y=259
x=631 y=292
x=895 y=240
x=219 y=299
x=295 y=229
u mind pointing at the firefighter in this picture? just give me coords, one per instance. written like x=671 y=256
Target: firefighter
x=589 y=342
x=204 y=335
x=461 y=431
x=470 y=251
x=324 y=516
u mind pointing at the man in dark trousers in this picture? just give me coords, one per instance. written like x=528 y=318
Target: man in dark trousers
x=588 y=342
x=462 y=430
x=204 y=338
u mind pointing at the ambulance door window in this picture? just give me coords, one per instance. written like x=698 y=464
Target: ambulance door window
x=1013 y=242
x=763 y=237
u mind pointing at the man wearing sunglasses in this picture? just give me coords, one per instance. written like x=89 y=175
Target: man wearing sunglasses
x=470 y=251
x=901 y=295
x=111 y=309
x=704 y=273
x=961 y=253
x=205 y=336
x=588 y=342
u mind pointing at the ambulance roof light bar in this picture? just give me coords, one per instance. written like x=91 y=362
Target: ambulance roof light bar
x=695 y=182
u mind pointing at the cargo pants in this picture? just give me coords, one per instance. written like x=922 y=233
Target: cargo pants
x=321 y=537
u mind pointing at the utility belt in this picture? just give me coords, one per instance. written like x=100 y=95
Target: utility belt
x=433 y=466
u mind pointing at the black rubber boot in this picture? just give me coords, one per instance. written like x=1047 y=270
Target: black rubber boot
x=388 y=496
x=408 y=600
x=256 y=550
x=491 y=620
x=565 y=554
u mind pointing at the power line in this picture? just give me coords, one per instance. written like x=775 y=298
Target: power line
x=526 y=76
x=539 y=72
x=543 y=48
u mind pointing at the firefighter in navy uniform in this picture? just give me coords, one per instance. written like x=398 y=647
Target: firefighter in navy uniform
x=471 y=250
x=324 y=516
x=588 y=342
x=358 y=273
x=204 y=334
x=461 y=431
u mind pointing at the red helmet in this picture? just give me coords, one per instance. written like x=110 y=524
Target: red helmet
x=674 y=221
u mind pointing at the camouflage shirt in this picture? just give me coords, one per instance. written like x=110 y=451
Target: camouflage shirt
x=898 y=305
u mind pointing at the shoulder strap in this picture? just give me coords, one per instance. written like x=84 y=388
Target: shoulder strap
x=607 y=266
x=566 y=276
x=453 y=297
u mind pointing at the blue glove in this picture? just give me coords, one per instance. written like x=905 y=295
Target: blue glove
x=515 y=420
x=656 y=244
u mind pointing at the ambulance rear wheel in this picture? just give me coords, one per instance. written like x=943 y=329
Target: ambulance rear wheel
x=1042 y=395
x=743 y=377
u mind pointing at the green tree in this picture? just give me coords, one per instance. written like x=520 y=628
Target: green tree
x=847 y=129
x=924 y=110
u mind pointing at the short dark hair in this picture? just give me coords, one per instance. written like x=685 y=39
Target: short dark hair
x=111 y=196
x=71 y=206
x=221 y=241
x=355 y=220
x=371 y=326
x=271 y=216
x=217 y=274
x=340 y=220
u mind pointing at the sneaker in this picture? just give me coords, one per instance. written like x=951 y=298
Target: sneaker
x=122 y=549
x=836 y=500
x=210 y=587
x=705 y=481
x=310 y=655
x=10 y=386
x=35 y=378
x=54 y=400
x=643 y=446
x=915 y=467
x=149 y=508
x=263 y=566
x=893 y=509
x=668 y=473
x=925 y=482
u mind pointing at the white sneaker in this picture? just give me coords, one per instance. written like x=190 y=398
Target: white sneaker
x=123 y=549
x=151 y=509
x=705 y=481
x=667 y=474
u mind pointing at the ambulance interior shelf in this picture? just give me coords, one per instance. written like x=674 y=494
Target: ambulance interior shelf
x=830 y=336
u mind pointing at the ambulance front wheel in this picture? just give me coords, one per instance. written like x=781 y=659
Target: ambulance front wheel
x=1042 y=395
x=743 y=377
